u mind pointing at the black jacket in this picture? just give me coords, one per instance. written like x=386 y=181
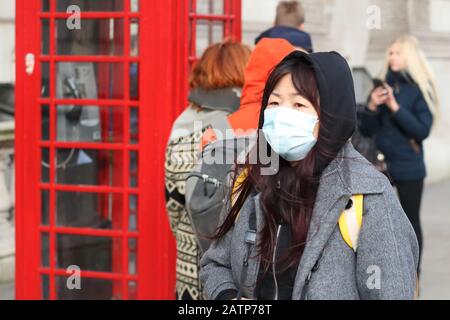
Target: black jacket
x=399 y=135
x=295 y=36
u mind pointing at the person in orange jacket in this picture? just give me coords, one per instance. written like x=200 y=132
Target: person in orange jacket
x=265 y=56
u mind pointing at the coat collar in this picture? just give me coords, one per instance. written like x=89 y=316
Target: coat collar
x=358 y=176
x=348 y=174
x=225 y=99
x=393 y=77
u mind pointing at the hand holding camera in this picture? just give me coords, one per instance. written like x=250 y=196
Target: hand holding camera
x=382 y=94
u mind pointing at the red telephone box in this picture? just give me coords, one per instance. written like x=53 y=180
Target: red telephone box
x=99 y=83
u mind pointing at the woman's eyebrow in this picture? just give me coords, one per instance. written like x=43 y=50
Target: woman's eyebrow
x=291 y=94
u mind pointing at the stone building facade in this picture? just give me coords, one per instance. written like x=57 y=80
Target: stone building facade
x=361 y=30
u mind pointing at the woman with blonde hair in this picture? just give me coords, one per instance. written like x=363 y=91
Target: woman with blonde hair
x=215 y=84
x=399 y=115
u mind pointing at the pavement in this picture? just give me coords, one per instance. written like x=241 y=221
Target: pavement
x=435 y=282
x=7 y=291
x=435 y=215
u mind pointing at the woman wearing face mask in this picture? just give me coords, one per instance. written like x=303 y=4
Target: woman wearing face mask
x=279 y=237
x=399 y=115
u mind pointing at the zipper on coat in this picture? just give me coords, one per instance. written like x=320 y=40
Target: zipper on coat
x=273 y=263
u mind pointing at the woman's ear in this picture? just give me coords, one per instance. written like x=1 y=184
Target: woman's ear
x=316 y=130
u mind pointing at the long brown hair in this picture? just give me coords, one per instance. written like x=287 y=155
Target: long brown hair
x=222 y=65
x=289 y=195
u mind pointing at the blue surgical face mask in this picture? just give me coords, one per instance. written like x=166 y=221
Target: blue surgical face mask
x=289 y=132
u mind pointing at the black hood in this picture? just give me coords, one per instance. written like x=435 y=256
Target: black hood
x=337 y=103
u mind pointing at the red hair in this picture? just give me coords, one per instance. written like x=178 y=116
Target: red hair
x=222 y=65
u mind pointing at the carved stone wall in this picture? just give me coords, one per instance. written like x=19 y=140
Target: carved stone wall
x=342 y=25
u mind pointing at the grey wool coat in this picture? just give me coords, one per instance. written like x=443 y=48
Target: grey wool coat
x=383 y=267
